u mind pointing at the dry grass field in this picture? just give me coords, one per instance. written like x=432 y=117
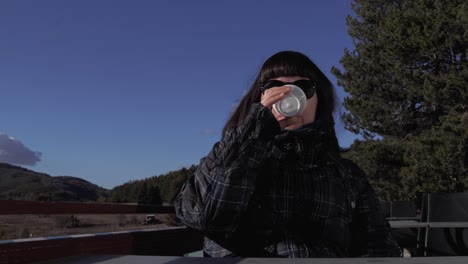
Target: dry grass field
x=27 y=226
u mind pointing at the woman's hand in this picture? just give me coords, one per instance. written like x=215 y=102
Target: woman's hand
x=272 y=95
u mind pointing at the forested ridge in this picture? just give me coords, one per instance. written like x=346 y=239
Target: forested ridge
x=18 y=183
x=160 y=189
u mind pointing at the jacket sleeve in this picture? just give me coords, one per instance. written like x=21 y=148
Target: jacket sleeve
x=213 y=199
x=371 y=231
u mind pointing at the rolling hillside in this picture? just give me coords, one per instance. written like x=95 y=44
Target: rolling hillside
x=17 y=183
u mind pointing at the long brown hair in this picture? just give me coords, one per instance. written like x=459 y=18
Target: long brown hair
x=288 y=63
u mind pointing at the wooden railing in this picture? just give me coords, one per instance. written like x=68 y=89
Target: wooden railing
x=156 y=244
x=174 y=241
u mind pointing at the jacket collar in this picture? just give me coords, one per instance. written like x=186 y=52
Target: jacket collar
x=312 y=144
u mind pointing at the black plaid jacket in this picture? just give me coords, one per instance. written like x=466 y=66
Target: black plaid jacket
x=263 y=192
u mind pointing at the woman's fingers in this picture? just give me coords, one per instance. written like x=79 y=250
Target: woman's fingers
x=273 y=95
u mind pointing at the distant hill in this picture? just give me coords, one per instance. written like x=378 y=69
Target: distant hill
x=17 y=183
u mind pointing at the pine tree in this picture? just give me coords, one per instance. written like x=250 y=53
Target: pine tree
x=407 y=82
x=154 y=196
x=143 y=193
x=381 y=160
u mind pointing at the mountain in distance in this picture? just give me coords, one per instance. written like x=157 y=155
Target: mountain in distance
x=17 y=183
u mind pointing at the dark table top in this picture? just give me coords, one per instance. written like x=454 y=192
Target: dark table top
x=124 y=259
x=416 y=224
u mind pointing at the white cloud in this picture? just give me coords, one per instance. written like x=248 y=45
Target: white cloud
x=14 y=152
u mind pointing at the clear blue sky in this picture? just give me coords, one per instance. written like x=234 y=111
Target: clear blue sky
x=112 y=91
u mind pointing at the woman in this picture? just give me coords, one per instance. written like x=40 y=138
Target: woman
x=275 y=186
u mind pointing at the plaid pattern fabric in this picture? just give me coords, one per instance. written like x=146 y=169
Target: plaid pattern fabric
x=263 y=192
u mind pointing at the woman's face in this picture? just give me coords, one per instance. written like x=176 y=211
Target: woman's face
x=295 y=122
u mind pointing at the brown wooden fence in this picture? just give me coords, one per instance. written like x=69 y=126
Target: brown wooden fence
x=10 y=207
x=163 y=242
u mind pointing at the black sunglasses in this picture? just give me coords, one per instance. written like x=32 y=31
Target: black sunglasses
x=308 y=86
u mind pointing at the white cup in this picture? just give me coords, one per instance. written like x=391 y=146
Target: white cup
x=293 y=103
